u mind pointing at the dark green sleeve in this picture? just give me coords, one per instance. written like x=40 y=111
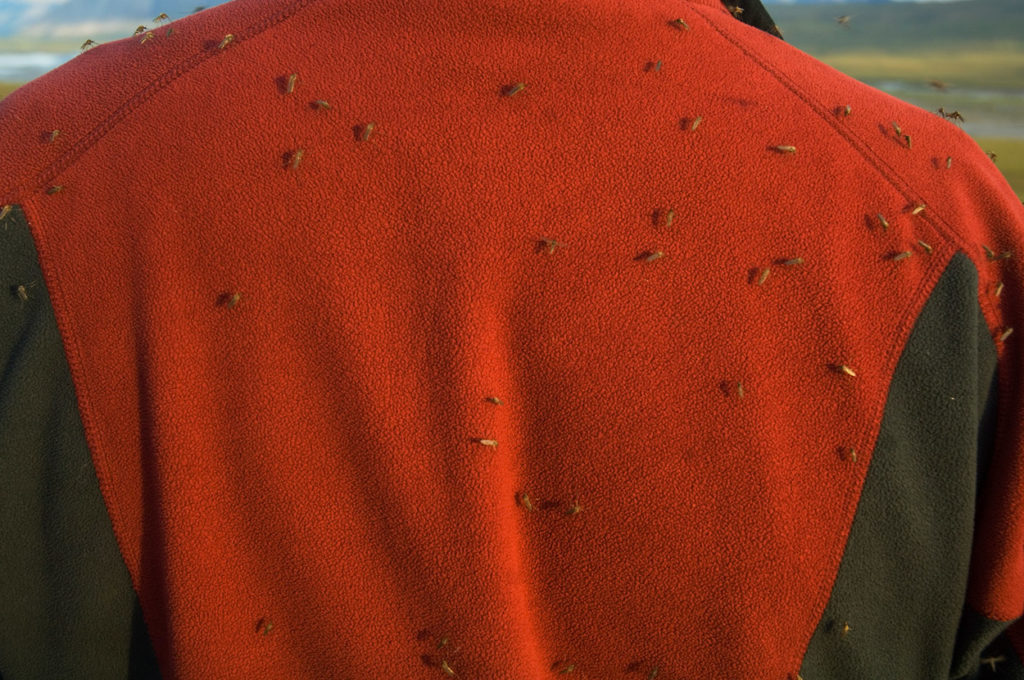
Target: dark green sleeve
x=898 y=604
x=67 y=605
x=69 y=609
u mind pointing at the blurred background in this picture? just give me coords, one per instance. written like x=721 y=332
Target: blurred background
x=963 y=56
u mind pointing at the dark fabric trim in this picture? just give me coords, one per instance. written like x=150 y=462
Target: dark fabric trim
x=68 y=606
x=752 y=12
x=901 y=587
x=983 y=651
x=69 y=609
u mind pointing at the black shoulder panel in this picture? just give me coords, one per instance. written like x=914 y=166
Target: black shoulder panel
x=983 y=652
x=897 y=609
x=69 y=609
x=752 y=12
x=899 y=597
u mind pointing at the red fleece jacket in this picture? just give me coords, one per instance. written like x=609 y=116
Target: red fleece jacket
x=559 y=329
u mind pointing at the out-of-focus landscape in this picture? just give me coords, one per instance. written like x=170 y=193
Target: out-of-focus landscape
x=965 y=56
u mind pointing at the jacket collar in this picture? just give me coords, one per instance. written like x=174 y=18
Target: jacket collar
x=750 y=12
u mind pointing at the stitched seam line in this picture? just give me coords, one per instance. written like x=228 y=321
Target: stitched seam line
x=46 y=177
x=899 y=184
x=858 y=144
x=902 y=186
x=992 y=316
x=906 y=326
x=76 y=366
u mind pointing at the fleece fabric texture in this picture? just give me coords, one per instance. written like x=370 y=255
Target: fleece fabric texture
x=505 y=337
x=67 y=602
x=67 y=594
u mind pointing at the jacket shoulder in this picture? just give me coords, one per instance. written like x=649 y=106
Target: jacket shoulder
x=936 y=167
x=49 y=122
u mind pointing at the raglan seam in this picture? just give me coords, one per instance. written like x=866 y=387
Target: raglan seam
x=147 y=92
x=19 y=195
x=903 y=187
x=928 y=281
x=897 y=182
x=863 y=149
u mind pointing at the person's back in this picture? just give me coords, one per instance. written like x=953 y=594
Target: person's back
x=495 y=339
